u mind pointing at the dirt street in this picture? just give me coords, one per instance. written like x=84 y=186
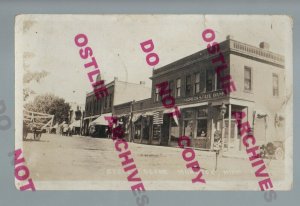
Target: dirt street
x=82 y=163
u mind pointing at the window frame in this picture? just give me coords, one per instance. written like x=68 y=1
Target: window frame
x=156 y=95
x=197 y=83
x=178 y=89
x=212 y=73
x=273 y=88
x=188 y=86
x=250 y=80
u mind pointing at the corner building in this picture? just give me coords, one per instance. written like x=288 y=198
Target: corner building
x=258 y=74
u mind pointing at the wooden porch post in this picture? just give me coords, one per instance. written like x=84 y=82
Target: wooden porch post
x=229 y=125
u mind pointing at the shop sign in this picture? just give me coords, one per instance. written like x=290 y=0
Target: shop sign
x=210 y=95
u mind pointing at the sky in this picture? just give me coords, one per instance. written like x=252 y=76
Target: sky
x=46 y=43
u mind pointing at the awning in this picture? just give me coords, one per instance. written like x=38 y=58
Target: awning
x=193 y=105
x=136 y=116
x=147 y=114
x=122 y=115
x=91 y=117
x=75 y=124
x=101 y=120
x=169 y=111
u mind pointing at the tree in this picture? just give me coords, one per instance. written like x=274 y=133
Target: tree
x=28 y=77
x=50 y=104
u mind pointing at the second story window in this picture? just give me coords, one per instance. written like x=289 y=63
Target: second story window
x=210 y=80
x=202 y=80
x=275 y=85
x=178 y=87
x=156 y=95
x=247 y=79
x=105 y=102
x=110 y=100
x=171 y=86
x=197 y=83
x=188 y=85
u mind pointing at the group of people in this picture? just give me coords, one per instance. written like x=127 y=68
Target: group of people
x=65 y=129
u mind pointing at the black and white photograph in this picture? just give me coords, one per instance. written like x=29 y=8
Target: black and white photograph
x=154 y=102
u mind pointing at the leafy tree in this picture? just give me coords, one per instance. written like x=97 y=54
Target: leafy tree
x=50 y=104
x=30 y=76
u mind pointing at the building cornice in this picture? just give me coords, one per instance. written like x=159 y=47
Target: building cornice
x=229 y=46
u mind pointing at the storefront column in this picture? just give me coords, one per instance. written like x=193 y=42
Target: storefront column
x=142 y=129
x=150 y=132
x=212 y=137
x=169 y=139
x=160 y=136
x=229 y=125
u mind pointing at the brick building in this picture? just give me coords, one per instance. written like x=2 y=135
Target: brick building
x=259 y=76
x=119 y=92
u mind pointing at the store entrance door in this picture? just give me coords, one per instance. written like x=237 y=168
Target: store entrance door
x=165 y=130
x=231 y=141
x=188 y=128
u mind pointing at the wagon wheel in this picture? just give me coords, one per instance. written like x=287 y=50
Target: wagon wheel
x=262 y=151
x=270 y=149
x=279 y=153
x=25 y=135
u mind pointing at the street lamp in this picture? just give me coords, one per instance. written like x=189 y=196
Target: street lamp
x=218 y=143
x=222 y=112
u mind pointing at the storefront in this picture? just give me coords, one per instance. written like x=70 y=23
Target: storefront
x=142 y=127
x=195 y=89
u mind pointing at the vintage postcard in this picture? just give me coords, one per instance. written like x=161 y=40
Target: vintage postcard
x=154 y=102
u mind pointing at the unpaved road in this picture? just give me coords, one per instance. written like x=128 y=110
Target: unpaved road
x=80 y=163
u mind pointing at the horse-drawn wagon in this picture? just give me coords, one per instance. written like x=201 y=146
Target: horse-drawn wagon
x=36 y=123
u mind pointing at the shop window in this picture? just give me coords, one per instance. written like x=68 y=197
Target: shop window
x=188 y=122
x=188 y=85
x=188 y=114
x=178 y=87
x=275 y=85
x=202 y=112
x=247 y=79
x=188 y=128
x=156 y=132
x=197 y=83
x=209 y=80
x=201 y=127
x=137 y=134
